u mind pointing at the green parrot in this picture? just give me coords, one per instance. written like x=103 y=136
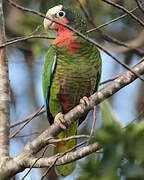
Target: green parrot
x=71 y=71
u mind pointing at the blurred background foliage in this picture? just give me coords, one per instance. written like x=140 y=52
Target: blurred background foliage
x=122 y=153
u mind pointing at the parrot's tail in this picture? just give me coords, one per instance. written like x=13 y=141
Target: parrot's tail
x=67 y=169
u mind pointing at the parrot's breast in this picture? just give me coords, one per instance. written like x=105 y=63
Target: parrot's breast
x=73 y=80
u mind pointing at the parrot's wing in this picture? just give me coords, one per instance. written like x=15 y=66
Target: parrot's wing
x=98 y=78
x=47 y=75
x=98 y=70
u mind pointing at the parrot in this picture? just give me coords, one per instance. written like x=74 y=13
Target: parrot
x=71 y=73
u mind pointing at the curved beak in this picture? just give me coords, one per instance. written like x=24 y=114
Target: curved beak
x=48 y=24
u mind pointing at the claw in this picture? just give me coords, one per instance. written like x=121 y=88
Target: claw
x=85 y=101
x=59 y=118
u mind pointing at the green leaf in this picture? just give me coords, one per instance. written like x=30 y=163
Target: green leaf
x=111 y=127
x=108 y=115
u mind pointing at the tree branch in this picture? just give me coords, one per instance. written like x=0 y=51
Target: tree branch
x=4 y=95
x=69 y=157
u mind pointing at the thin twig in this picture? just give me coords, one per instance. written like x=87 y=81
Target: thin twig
x=94 y=121
x=137 y=117
x=118 y=61
x=140 y=61
x=61 y=155
x=109 y=80
x=34 y=163
x=55 y=140
x=29 y=36
x=26 y=135
x=86 y=13
x=112 y=79
x=140 y=5
x=36 y=30
x=9 y=42
x=27 y=118
x=125 y=10
x=26 y=123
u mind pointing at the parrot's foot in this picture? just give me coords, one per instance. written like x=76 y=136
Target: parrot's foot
x=59 y=118
x=85 y=101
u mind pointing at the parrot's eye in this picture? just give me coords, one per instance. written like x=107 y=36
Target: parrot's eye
x=60 y=14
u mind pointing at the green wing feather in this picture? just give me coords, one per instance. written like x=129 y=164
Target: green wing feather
x=48 y=69
x=47 y=75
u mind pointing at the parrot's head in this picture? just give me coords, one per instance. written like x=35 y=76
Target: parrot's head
x=65 y=16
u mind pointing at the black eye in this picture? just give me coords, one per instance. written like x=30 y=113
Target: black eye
x=60 y=14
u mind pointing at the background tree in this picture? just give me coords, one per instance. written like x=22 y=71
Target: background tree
x=122 y=155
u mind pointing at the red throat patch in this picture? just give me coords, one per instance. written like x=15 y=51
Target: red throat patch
x=64 y=36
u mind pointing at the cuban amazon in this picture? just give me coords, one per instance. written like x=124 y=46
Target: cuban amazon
x=71 y=72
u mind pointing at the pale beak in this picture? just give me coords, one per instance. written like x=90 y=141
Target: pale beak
x=48 y=24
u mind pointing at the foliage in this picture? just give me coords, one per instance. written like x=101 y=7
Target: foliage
x=122 y=153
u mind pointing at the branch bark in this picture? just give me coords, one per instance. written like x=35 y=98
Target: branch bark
x=69 y=157
x=4 y=95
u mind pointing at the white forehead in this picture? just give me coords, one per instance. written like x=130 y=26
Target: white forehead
x=54 y=10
